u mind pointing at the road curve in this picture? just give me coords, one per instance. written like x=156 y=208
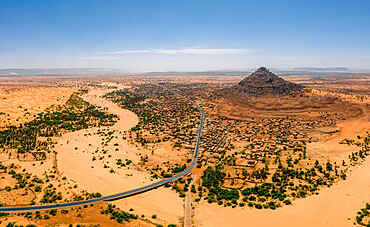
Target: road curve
x=123 y=194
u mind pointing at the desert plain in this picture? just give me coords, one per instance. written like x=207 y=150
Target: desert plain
x=285 y=159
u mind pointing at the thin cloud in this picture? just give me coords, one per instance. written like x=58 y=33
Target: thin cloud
x=100 y=57
x=190 y=51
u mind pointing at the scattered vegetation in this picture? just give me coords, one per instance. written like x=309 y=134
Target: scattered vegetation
x=118 y=215
x=363 y=216
x=76 y=114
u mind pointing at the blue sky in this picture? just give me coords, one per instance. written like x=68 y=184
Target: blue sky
x=160 y=35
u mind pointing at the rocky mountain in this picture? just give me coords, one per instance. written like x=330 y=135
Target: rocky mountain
x=263 y=82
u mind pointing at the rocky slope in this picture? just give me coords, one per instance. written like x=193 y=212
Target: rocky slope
x=263 y=82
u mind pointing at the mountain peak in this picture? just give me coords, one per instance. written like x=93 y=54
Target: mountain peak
x=262 y=77
x=264 y=82
x=262 y=69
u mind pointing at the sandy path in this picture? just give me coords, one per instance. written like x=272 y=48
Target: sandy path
x=77 y=164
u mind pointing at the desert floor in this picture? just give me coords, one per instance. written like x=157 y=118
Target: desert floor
x=19 y=103
x=334 y=206
x=330 y=147
x=77 y=165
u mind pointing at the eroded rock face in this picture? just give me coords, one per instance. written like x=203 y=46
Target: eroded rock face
x=264 y=82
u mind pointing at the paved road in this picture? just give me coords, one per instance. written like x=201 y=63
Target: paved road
x=123 y=194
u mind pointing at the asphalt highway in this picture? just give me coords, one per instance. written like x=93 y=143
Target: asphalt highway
x=123 y=194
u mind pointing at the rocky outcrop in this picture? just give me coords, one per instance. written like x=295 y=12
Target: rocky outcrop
x=263 y=82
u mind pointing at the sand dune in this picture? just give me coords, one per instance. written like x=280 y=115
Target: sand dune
x=77 y=165
x=22 y=102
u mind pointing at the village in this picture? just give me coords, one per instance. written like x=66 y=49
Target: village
x=255 y=160
x=250 y=152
